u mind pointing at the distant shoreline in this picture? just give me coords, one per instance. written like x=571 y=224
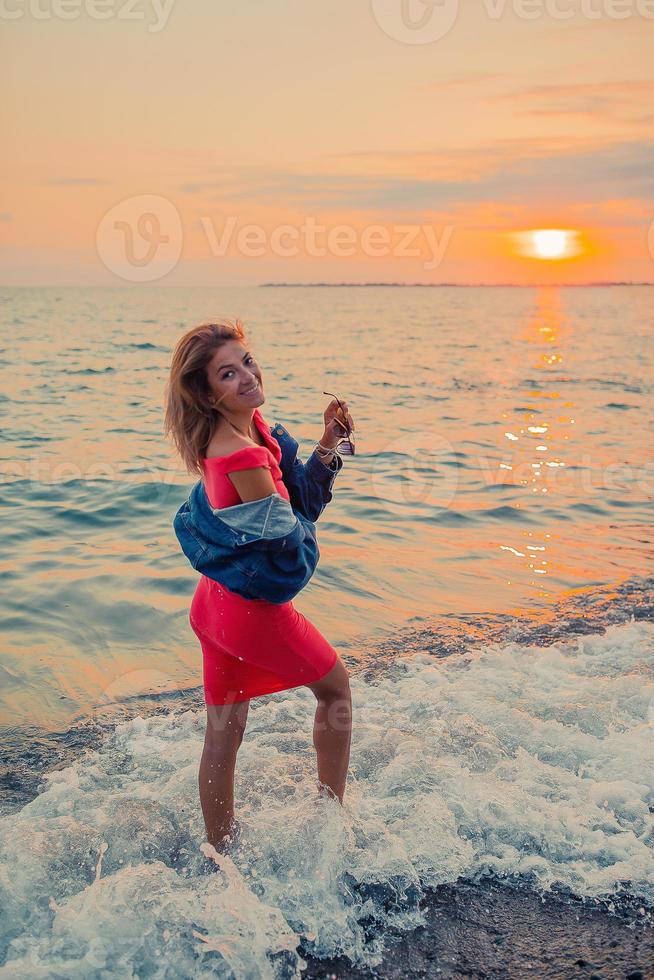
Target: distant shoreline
x=459 y=285
x=325 y=285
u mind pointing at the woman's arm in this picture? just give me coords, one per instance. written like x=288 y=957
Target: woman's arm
x=309 y=484
x=253 y=483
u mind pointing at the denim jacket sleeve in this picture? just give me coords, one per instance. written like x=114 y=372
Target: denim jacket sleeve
x=309 y=484
x=260 y=549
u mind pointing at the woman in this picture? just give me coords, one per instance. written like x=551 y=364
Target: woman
x=250 y=647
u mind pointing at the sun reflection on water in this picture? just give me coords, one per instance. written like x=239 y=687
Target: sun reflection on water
x=537 y=435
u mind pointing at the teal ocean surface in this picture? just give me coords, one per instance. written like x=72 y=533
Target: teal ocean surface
x=485 y=573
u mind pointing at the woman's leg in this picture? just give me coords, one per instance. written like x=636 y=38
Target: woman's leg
x=332 y=729
x=224 y=734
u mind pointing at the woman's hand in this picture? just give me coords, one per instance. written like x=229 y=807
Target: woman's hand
x=338 y=422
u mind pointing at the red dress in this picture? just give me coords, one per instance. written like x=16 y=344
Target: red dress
x=251 y=646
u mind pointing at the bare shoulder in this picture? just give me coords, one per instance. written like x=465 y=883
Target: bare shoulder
x=223 y=442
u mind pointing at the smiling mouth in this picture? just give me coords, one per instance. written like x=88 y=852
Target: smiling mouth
x=251 y=391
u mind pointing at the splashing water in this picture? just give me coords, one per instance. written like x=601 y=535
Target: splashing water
x=508 y=760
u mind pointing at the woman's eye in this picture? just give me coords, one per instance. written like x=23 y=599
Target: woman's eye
x=227 y=373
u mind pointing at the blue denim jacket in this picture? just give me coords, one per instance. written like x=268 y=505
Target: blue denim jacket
x=261 y=549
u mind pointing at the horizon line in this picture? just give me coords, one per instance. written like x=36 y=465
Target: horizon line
x=334 y=285
x=460 y=285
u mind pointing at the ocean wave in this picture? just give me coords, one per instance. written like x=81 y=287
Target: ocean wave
x=510 y=760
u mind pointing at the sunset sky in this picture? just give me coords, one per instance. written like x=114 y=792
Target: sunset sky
x=272 y=114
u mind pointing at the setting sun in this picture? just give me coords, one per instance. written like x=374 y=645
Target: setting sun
x=548 y=243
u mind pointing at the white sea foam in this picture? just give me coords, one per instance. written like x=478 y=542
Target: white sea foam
x=537 y=761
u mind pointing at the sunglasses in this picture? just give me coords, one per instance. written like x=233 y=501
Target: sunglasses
x=346 y=446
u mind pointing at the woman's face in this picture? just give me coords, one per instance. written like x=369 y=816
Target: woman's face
x=235 y=378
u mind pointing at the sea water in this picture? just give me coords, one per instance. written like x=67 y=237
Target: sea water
x=485 y=574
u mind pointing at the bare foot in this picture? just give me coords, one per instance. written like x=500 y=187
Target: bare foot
x=229 y=839
x=326 y=792
x=219 y=845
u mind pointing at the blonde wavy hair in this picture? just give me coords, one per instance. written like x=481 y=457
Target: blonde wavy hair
x=189 y=416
